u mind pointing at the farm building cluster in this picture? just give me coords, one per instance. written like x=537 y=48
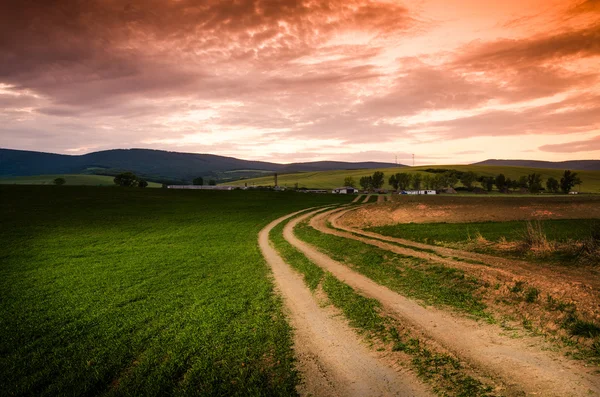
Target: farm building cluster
x=339 y=190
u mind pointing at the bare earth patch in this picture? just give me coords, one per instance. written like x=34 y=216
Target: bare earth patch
x=470 y=209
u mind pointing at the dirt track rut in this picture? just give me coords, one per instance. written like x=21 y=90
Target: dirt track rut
x=517 y=362
x=331 y=358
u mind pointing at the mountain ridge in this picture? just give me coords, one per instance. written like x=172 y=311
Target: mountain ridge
x=157 y=165
x=581 y=165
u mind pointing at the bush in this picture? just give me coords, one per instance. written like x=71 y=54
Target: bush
x=534 y=239
x=532 y=295
x=590 y=248
x=585 y=328
x=59 y=181
x=126 y=179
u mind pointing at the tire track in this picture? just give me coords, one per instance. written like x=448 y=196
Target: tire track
x=521 y=366
x=331 y=358
x=357 y=198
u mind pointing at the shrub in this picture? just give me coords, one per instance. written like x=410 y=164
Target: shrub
x=534 y=239
x=590 y=248
x=586 y=329
x=532 y=295
x=518 y=287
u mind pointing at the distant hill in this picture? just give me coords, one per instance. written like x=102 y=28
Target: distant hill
x=583 y=165
x=155 y=165
x=333 y=179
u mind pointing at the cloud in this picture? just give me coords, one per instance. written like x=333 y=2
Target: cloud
x=588 y=145
x=197 y=74
x=532 y=51
x=587 y=6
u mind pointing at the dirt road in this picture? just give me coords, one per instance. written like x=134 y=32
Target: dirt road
x=331 y=358
x=519 y=363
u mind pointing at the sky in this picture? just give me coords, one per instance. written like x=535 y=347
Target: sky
x=451 y=81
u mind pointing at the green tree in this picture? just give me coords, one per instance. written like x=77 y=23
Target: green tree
x=514 y=185
x=59 y=181
x=349 y=181
x=212 y=182
x=404 y=180
x=126 y=179
x=142 y=183
x=365 y=182
x=198 y=181
x=450 y=179
x=427 y=181
x=378 y=179
x=416 y=181
x=468 y=179
x=393 y=181
x=488 y=183
x=552 y=185
x=500 y=182
x=535 y=182
x=568 y=181
x=523 y=182
x=437 y=182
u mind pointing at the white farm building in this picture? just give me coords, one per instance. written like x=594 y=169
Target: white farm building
x=201 y=187
x=345 y=190
x=418 y=192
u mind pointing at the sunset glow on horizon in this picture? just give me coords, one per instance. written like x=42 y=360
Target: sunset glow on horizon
x=288 y=81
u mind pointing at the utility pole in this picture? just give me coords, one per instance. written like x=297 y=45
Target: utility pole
x=413 y=159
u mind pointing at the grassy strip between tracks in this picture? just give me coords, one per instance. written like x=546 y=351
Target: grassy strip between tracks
x=446 y=374
x=413 y=277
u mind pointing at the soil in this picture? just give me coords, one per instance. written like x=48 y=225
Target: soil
x=522 y=365
x=331 y=358
x=472 y=209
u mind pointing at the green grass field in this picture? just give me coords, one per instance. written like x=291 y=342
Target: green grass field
x=72 y=179
x=147 y=292
x=564 y=234
x=333 y=179
x=561 y=230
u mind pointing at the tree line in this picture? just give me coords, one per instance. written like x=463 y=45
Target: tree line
x=444 y=178
x=129 y=179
